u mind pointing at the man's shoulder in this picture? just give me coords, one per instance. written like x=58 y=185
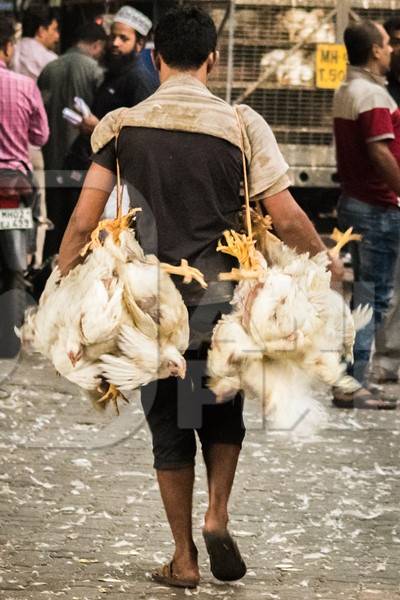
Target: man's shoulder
x=31 y=57
x=139 y=71
x=248 y=114
x=31 y=47
x=359 y=86
x=74 y=56
x=360 y=95
x=73 y=62
x=17 y=79
x=138 y=84
x=52 y=66
x=69 y=57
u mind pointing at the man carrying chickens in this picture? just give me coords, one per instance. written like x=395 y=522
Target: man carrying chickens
x=179 y=152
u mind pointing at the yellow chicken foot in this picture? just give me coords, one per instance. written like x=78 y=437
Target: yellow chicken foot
x=112 y=395
x=241 y=247
x=342 y=239
x=262 y=226
x=184 y=270
x=261 y=223
x=237 y=245
x=113 y=227
x=241 y=274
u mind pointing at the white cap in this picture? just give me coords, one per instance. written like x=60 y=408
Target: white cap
x=133 y=18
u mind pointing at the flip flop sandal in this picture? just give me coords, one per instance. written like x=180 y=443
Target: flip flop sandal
x=165 y=576
x=363 y=399
x=225 y=559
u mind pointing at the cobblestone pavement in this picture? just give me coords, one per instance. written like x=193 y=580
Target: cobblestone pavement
x=81 y=516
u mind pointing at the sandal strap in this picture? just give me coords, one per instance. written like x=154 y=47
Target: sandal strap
x=167 y=570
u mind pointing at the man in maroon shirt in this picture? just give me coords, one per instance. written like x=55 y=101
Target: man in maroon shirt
x=386 y=361
x=367 y=134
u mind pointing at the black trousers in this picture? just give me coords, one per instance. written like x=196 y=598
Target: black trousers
x=175 y=409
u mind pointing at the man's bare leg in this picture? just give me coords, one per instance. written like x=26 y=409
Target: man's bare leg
x=226 y=562
x=221 y=461
x=176 y=487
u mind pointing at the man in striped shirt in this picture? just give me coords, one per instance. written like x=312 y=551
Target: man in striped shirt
x=35 y=49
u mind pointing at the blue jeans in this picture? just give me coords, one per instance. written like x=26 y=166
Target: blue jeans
x=374 y=260
x=387 y=341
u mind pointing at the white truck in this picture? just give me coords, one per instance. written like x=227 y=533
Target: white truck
x=272 y=59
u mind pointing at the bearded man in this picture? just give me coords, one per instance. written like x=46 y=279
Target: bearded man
x=127 y=82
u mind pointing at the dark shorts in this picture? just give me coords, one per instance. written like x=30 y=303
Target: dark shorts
x=176 y=408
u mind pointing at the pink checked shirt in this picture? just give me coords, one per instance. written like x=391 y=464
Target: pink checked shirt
x=23 y=119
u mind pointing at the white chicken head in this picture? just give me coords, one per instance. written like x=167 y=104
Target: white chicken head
x=74 y=348
x=173 y=361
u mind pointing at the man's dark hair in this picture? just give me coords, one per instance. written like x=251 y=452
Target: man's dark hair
x=7 y=31
x=184 y=37
x=35 y=17
x=359 y=38
x=392 y=25
x=90 y=33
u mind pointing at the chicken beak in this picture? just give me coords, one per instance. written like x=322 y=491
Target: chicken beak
x=177 y=370
x=182 y=371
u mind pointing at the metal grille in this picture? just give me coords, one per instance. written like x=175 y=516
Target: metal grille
x=376 y=14
x=296 y=116
x=264 y=33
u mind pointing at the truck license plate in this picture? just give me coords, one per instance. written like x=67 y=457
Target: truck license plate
x=16 y=218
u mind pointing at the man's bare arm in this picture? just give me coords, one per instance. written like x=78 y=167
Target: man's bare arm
x=295 y=229
x=96 y=189
x=385 y=164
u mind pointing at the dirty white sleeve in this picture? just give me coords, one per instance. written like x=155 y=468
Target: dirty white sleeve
x=266 y=165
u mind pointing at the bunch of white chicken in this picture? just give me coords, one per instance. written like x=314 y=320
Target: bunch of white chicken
x=303 y=25
x=288 y=335
x=295 y=69
x=116 y=321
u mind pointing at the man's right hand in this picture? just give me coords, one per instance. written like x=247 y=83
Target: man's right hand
x=88 y=124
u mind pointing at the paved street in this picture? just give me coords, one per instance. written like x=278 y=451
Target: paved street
x=81 y=517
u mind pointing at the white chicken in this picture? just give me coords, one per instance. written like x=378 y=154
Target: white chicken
x=289 y=69
x=288 y=333
x=273 y=58
x=296 y=70
x=78 y=318
x=161 y=327
x=303 y=25
x=116 y=320
x=232 y=351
